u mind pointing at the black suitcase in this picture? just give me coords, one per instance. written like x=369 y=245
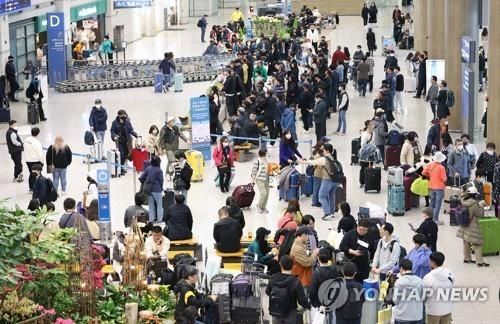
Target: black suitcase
x=373 y=179
x=246 y=310
x=168 y=200
x=454 y=204
x=355 y=146
x=4 y=115
x=33 y=114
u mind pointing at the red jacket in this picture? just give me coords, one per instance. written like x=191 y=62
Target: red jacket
x=337 y=56
x=217 y=156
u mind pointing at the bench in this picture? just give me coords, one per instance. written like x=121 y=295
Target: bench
x=186 y=246
x=245 y=241
x=242 y=152
x=172 y=254
x=234 y=257
x=232 y=266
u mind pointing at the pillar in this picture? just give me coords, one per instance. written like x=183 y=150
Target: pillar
x=4 y=42
x=420 y=24
x=494 y=78
x=65 y=7
x=436 y=21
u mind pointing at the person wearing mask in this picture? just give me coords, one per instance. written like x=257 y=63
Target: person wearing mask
x=182 y=172
x=288 y=151
x=211 y=49
x=419 y=257
x=33 y=154
x=428 y=228
x=136 y=210
x=11 y=74
x=152 y=185
x=98 y=122
x=400 y=87
x=35 y=95
x=380 y=131
x=264 y=253
x=435 y=133
x=487 y=160
x=432 y=94
x=39 y=191
x=347 y=222
x=235 y=211
x=470 y=149
x=285 y=292
x=287 y=120
x=189 y=300
x=373 y=11
x=435 y=172
x=443 y=111
x=260 y=177
x=313 y=241
x=179 y=220
x=121 y=133
x=407 y=309
x=387 y=253
x=107 y=49
x=71 y=218
x=342 y=109
x=447 y=147
x=410 y=152
x=156 y=245
x=355 y=246
x=350 y=312
x=16 y=148
x=363 y=75
x=364 y=14
x=58 y=158
x=169 y=140
x=471 y=235
x=320 y=113
x=438 y=310
x=152 y=141
x=459 y=164
x=167 y=68
x=215 y=124
x=227 y=232
x=223 y=156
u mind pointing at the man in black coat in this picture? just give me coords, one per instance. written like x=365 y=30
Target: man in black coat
x=10 y=73
x=270 y=113
x=230 y=91
x=355 y=246
x=319 y=114
x=429 y=228
x=34 y=94
x=421 y=76
x=227 y=233
x=306 y=105
x=179 y=220
x=323 y=272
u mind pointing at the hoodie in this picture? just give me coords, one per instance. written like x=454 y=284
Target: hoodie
x=320 y=275
x=419 y=256
x=439 y=278
x=385 y=257
x=188 y=296
x=296 y=293
x=407 y=298
x=33 y=150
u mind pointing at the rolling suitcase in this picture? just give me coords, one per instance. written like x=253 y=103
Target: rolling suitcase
x=454 y=204
x=293 y=192
x=33 y=114
x=158 y=82
x=373 y=178
x=410 y=85
x=195 y=160
x=308 y=186
x=4 y=115
x=114 y=168
x=246 y=310
x=220 y=285
x=392 y=156
x=178 y=82
x=355 y=147
x=395 y=176
x=450 y=191
x=490 y=227
x=409 y=196
x=244 y=195
x=487 y=190
x=396 y=200
x=341 y=194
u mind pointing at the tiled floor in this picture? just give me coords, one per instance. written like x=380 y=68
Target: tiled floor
x=68 y=116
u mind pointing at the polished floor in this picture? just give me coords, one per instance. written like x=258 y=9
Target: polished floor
x=68 y=116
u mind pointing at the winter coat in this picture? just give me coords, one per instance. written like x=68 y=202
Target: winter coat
x=98 y=119
x=116 y=130
x=370 y=41
x=59 y=159
x=472 y=233
x=155 y=176
x=379 y=131
x=152 y=144
x=405 y=308
x=439 y=278
x=236 y=213
x=218 y=156
x=33 y=150
x=296 y=292
x=288 y=121
x=443 y=110
x=407 y=156
x=485 y=162
x=373 y=15
x=386 y=258
x=320 y=112
x=302 y=262
x=430 y=229
x=187 y=295
x=174 y=144
x=320 y=275
x=179 y=222
x=288 y=152
x=227 y=235
x=459 y=162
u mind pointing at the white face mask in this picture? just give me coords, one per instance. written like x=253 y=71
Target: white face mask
x=460 y=147
x=155 y=132
x=288 y=136
x=98 y=106
x=15 y=128
x=225 y=144
x=490 y=152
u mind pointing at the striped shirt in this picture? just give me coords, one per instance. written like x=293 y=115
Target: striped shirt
x=259 y=171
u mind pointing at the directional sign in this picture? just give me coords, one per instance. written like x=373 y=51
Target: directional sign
x=119 y=4
x=103 y=198
x=11 y=6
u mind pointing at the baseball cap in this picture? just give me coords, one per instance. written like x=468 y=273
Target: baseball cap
x=170 y=118
x=262 y=231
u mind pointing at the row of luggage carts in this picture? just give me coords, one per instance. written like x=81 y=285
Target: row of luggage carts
x=138 y=73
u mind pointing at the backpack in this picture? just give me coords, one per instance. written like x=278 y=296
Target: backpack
x=241 y=286
x=279 y=302
x=337 y=173
x=169 y=135
x=199 y=23
x=450 y=98
x=402 y=253
x=352 y=308
x=462 y=216
x=113 y=48
x=286 y=245
x=88 y=138
x=51 y=193
x=181 y=261
x=394 y=138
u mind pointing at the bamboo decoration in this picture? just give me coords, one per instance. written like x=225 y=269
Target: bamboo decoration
x=134 y=260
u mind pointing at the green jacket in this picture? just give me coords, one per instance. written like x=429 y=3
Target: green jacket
x=263 y=72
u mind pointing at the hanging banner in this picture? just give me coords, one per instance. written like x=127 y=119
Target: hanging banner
x=120 y=4
x=200 y=122
x=56 y=51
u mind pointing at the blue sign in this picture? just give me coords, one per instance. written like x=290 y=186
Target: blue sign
x=56 y=54
x=200 y=122
x=11 y=6
x=103 y=198
x=468 y=50
x=118 y=4
x=249 y=28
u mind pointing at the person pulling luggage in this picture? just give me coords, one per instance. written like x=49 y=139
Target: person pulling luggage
x=169 y=140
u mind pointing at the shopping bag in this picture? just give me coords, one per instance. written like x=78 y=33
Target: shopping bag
x=384 y=287
x=385 y=315
x=317 y=316
x=420 y=187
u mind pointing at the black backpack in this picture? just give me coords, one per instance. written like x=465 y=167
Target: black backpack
x=181 y=261
x=337 y=173
x=279 y=302
x=402 y=253
x=88 y=138
x=169 y=135
x=51 y=193
x=286 y=245
x=199 y=23
x=352 y=308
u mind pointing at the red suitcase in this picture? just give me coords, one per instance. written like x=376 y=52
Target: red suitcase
x=392 y=156
x=407 y=181
x=244 y=195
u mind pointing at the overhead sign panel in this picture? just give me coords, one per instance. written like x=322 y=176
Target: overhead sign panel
x=11 y=6
x=121 y=4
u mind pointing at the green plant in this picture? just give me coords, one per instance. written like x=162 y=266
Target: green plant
x=162 y=305
x=64 y=304
x=107 y=310
x=15 y=309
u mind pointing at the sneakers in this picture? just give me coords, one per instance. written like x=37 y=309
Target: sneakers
x=63 y=193
x=327 y=217
x=483 y=264
x=469 y=261
x=19 y=178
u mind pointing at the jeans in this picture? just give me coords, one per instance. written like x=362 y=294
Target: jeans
x=155 y=214
x=18 y=164
x=398 y=101
x=433 y=108
x=362 y=87
x=316 y=186
x=327 y=196
x=263 y=193
x=436 y=201
x=59 y=175
x=342 y=122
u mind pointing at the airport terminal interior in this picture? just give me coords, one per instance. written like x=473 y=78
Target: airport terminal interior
x=67 y=115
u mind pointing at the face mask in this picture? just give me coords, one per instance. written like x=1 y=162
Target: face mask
x=288 y=136
x=123 y=117
x=460 y=147
x=490 y=152
x=15 y=128
x=155 y=132
x=98 y=106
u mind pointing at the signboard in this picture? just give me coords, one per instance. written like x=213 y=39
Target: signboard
x=200 y=119
x=103 y=189
x=88 y=10
x=121 y=4
x=437 y=68
x=249 y=28
x=56 y=51
x=468 y=50
x=10 y=6
x=468 y=100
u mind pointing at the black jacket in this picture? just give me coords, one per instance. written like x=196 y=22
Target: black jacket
x=352 y=309
x=400 y=82
x=443 y=110
x=391 y=61
x=422 y=72
x=10 y=71
x=296 y=293
x=430 y=229
x=320 y=112
x=350 y=241
x=346 y=224
x=230 y=85
x=187 y=295
x=214 y=112
x=179 y=222
x=236 y=213
x=320 y=275
x=227 y=235
x=40 y=190
x=13 y=148
x=61 y=159
x=270 y=110
x=370 y=41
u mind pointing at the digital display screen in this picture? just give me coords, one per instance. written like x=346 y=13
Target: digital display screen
x=11 y=6
x=123 y=4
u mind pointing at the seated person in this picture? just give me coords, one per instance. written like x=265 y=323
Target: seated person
x=118 y=252
x=179 y=220
x=251 y=129
x=131 y=211
x=235 y=211
x=91 y=215
x=265 y=253
x=236 y=131
x=157 y=245
x=227 y=233
x=71 y=218
x=287 y=222
x=211 y=49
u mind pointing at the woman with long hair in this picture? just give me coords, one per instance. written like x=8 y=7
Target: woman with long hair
x=223 y=156
x=58 y=159
x=263 y=250
x=288 y=149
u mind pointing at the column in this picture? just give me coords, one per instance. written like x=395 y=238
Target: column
x=494 y=78
x=420 y=24
x=65 y=6
x=435 y=21
x=4 y=41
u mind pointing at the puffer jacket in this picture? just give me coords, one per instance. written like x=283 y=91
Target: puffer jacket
x=379 y=131
x=472 y=233
x=459 y=162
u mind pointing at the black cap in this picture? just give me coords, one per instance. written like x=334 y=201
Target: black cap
x=97 y=101
x=303 y=230
x=263 y=231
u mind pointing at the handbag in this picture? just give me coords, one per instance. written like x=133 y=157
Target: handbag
x=420 y=187
x=50 y=167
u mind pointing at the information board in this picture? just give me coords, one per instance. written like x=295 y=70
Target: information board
x=200 y=120
x=56 y=54
x=11 y=6
x=123 y=4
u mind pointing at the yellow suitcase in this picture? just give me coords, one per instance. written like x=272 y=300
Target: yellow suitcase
x=195 y=160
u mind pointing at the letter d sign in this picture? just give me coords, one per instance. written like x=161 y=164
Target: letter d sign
x=54 y=21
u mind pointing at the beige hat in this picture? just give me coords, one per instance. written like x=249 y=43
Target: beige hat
x=170 y=119
x=439 y=157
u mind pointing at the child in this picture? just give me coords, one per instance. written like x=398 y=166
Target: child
x=261 y=178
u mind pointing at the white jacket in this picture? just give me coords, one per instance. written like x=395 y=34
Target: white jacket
x=33 y=150
x=385 y=259
x=438 y=279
